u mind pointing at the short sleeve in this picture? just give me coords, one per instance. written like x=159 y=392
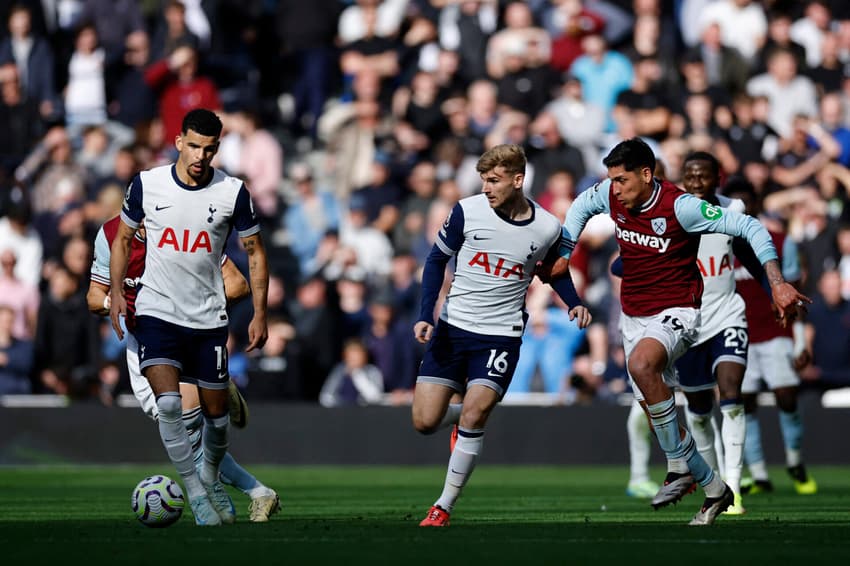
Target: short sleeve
x=132 y=211
x=244 y=217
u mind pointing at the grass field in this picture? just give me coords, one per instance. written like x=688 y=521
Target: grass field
x=82 y=515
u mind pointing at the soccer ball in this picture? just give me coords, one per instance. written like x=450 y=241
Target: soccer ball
x=158 y=501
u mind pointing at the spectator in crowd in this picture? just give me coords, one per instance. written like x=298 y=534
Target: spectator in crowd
x=20 y=297
x=33 y=57
x=828 y=76
x=131 y=101
x=568 y=22
x=519 y=35
x=85 y=93
x=353 y=381
x=180 y=87
x=307 y=30
x=114 y=21
x=810 y=30
x=466 y=27
x=603 y=74
x=743 y=24
x=172 y=32
x=312 y=214
x=788 y=93
x=19 y=119
x=16 y=357
x=391 y=347
x=252 y=153
x=646 y=100
x=18 y=235
x=317 y=339
x=779 y=37
x=67 y=341
x=273 y=372
x=828 y=335
x=550 y=153
x=422 y=182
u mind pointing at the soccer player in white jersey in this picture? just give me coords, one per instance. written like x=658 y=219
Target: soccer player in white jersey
x=264 y=500
x=657 y=228
x=497 y=239
x=189 y=208
x=719 y=355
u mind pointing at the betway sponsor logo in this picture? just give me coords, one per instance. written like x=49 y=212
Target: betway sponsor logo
x=645 y=240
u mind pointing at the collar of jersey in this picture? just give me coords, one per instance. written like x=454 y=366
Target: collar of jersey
x=183 y=185
x=528 y=220
x=653 y=198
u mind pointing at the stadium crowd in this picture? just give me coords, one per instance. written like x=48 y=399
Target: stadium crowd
x=356 y=126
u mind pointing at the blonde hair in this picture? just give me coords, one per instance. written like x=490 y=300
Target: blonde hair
x=508 y=155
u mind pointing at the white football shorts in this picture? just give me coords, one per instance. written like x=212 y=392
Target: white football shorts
x=677 y=330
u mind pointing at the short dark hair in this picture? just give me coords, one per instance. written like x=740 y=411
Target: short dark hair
x=633 y=154
x=704 y=156
x=202 y=121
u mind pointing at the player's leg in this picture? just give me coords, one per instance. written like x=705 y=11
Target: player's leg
x=730 y=376
x=160 y=352
x=758 y=363
x=639 y=434
x=478 y=403
x=783 y=380
x=791 y=424
x=264 y=500
x=699 y=418
x=207 y=367
x=663 y=339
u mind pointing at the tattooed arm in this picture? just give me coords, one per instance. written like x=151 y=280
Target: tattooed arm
x=258 y=272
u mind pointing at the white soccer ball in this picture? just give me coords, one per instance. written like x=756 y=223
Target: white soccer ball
x=158 y=501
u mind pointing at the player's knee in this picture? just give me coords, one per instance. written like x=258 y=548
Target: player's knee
x=424 y=423
x=473 y=418
x=170 y=407
x=641 y=366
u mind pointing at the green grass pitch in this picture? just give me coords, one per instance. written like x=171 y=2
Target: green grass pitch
x=357 y=515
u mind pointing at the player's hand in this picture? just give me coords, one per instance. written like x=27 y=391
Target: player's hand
x=787 y=300
x=258 y=333
x=117 y=309
x=581 y=315
x=802 y=360
x=423 y=331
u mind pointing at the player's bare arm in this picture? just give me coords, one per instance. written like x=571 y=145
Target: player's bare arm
x=235 y=285
x=785 y=296
x=118 y=259
x=258 y=271
x=98 y=298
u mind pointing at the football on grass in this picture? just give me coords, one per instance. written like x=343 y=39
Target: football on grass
x=158 y=501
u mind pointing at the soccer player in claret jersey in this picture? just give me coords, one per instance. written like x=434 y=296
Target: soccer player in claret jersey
x=264 y=500
x=189 y=208
x=776 y=354
x=497 y=239
x=657 y=228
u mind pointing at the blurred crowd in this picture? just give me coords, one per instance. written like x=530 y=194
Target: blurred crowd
x=356 y=125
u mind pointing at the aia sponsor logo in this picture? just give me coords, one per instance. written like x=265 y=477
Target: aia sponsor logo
x=501 y=269
x=185 y=242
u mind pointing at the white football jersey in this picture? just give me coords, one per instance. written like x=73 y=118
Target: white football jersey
x=186 y=231
x=495 y=261
x=722 y=307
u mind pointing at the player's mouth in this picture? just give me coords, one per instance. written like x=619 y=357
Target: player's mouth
x=196 y=167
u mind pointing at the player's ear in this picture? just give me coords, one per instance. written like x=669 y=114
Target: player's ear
x=178 y=142
x=646 y=174
x=518 y=179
